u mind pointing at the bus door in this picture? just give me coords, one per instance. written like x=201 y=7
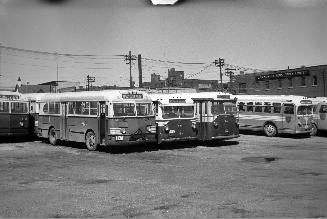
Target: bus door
x=63 y=121
x=288 y=117
x=102 y=121
x=4 y=118
x=202 y=117
x=322 y=116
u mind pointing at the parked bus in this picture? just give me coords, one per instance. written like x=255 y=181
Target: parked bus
x=110 y=118
x=216 y=116
x=275 y=114
x=175 y=117
x=319 y=114
x=14 y=114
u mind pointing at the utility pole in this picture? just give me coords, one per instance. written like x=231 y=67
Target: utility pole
x=139 y=59
x=220 y=63
x=130 y=58
x=89 y=80
x=229 y=73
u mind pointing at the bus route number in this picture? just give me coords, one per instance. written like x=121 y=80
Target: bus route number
x=119 y=138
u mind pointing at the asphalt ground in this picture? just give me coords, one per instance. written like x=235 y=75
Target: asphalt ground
x=250 y=176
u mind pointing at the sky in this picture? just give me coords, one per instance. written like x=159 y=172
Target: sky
x=256 y=34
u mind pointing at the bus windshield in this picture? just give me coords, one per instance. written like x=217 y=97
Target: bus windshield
x=124 y=109
x=144 y=109
x=304 y=110
x=230 y=108
x=171 y=112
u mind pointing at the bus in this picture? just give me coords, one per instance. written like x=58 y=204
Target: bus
x=216 y=116
x=275 y=114
x=319 y=114
x=14 y=114
x=175 y=117
x=108 y=118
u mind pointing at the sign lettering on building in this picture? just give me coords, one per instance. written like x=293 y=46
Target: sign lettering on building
x=9 y=97
x=280 y=75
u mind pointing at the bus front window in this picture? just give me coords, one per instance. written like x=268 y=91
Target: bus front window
x=169 y=112
x=186 y=111
x=144 y=109
x=230 y=108
x=304 y=110
x=217 y=108
x=124 y=109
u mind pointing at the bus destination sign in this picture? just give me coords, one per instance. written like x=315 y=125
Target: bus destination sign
x=280 y=75
x=177 y=101
x=9 y=97
x=132 y=96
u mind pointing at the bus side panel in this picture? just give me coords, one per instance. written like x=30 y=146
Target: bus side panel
x=4 y=124
x=226 y=125
x=321 y=119
x=78 y=125
x=250 y=121
x=47 y=121
x=19 y=124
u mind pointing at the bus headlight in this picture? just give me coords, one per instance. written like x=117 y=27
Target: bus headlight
x=215 y=124
x=36 y=123
x=21 y=124
x=123 y=130
x=166 y=128
x=193 y=125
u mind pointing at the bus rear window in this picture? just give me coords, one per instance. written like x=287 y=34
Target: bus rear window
x=143 y=109
x=4 y=107
x=304 y=110
x=124 y=109
x=17 y=107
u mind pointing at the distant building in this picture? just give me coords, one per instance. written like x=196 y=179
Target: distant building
x=307 y=81
x=201 y=85
x=175 y=78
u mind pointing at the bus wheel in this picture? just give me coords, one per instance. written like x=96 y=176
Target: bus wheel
x=270 y=130
x=52 y=136
x=90 y=141
x=314 y=130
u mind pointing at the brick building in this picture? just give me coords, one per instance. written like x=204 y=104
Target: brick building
x=306 y=81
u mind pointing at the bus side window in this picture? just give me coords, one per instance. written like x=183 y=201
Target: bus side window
x=276 y=107
x=71 y=108
x=288 y=109
x=258 y=107
x=46 y=108
x=94 y=108
x=249 y=107
x=323 y=109
x=4 y=107
x=267 y=107
x=241 y=106
x=315 y=108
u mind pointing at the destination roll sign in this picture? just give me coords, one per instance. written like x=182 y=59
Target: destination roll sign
x=279 y=75
x=132 y=96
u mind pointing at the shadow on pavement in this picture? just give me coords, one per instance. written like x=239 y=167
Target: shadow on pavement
x=259 y=133
x=16 y=139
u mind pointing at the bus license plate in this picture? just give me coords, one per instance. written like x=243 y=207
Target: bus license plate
x=119 y=138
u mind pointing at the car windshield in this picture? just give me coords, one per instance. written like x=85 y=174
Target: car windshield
x=304 y=110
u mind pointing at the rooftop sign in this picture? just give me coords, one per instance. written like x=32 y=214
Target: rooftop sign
x=132 y=96
x=177 y=101
x=279 y=75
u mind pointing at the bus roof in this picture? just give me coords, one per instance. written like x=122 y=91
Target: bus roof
x=105 y=95
x=12 y=96
x=173 y=98
x=274 y=98
x=317 y=100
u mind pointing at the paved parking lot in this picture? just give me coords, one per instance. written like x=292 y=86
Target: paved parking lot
x=252 y=176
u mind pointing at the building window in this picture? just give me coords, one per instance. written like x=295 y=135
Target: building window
x=267 y=85
x=280 y=83
x=302 y=81
x=242 y=88
x=314 y=81
x=290 y=82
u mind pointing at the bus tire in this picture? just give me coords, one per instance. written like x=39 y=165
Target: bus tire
x=90 y=141
x=52 y=136
x=270 y=130
x=314 y=130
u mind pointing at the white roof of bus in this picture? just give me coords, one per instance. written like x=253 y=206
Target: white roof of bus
x=318 y=99
x=270 y=98
x=164 y=98
x=21 y=96
x=105 y=95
